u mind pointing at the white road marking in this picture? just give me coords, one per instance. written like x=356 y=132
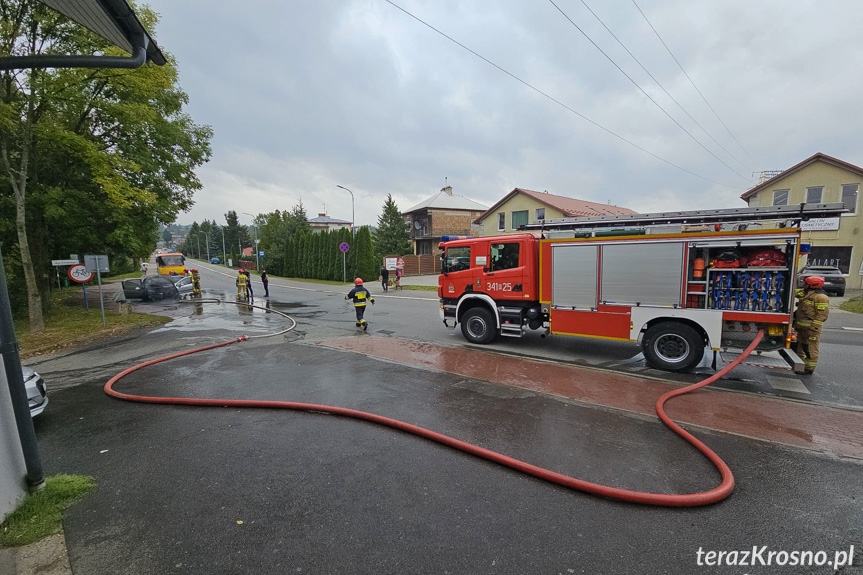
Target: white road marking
x=787 y=384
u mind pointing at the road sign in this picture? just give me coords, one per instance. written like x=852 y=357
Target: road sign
x=261 y=253
x=344 y=247
x=97 y=263
x=64 y=262
x=79 y=274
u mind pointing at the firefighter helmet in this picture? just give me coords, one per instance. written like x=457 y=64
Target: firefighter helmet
x=358 y=281
x=815 y=282
x=195 y=270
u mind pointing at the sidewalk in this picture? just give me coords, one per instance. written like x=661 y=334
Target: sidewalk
x=818 y=428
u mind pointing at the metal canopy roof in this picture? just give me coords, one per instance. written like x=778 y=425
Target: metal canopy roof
x=113 y=20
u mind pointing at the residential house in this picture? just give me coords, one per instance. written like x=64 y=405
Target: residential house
x=821 y=179
x=522 y=206
x=443 y=214
x=325 y=223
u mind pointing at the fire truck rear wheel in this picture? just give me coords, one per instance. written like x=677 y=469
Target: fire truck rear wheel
x=478 y=326
x=673 y=346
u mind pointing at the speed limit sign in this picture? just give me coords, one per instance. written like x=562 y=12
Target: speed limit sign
x=78 y=273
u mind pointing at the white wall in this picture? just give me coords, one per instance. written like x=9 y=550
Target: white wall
x=13 y=471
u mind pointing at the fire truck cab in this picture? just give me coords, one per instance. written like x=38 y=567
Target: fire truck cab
x=674 y=283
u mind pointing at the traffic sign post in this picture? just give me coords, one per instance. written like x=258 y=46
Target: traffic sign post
x=98 y=264
x=344 y=247
x=78 y=273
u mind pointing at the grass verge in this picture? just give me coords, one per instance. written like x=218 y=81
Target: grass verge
x=854 y=305
x=41 y=513
x=68 y=323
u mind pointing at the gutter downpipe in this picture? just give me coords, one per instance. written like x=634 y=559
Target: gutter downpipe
x=20 y=406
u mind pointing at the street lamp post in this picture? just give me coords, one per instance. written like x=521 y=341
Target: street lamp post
x=352 y=207
x=224 y=253
x=257 y=253
x=207 y=237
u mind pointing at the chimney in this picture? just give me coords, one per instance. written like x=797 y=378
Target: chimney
x=447 y=190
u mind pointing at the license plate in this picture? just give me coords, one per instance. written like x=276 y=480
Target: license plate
x=776 y=330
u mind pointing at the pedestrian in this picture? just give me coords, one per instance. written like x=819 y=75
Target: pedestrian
x=144 y=268
x=242 y=286
x=398 y=278
x=196 y=283
x=385 y=278
x=812 y=311
x=249 y=284
x=360 y=295
x=265 y=279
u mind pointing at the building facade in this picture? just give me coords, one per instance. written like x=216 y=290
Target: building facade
x=444 y=214
x=522 y=206
x=822 y=179
x=324 y=223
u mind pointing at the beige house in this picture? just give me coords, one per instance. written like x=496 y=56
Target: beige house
x=822 y=179
x=522 y=206
x=443 y=214
x=324 y=223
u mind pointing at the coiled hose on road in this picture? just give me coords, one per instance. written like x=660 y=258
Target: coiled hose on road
x=714 y=495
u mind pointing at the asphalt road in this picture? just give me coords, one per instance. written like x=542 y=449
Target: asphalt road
x=414 y=315
x=217 y=490
x=224 y=491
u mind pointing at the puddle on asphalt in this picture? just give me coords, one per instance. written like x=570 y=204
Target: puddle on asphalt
x=228 y=315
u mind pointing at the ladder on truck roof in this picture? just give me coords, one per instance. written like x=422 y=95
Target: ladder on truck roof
x=788 y=216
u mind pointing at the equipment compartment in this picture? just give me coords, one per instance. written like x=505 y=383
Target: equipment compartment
x=751 y=278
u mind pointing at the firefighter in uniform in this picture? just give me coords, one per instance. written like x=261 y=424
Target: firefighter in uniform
x=196 y=283
x=242 y=286
x=360 y=295
x=812 y=310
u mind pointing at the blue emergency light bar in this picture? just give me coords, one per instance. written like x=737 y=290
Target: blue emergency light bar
x=452 y=238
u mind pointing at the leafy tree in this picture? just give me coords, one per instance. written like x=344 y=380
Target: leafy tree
x=391 y=236
x=90 y=160
x=167 y=236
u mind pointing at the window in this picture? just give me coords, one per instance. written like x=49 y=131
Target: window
x=540 y=213
x=814 y=195
x=501 y=221
x=780 y=197
x=849 y=198
x=457 y=259
x=519 y=219
x=503 y=257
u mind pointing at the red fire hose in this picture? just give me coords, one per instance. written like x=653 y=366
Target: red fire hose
x=687 y=500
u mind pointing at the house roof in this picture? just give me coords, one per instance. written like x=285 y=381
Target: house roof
x=446 y=200
x=819 y=157
x=327 y=220
x=571 y=207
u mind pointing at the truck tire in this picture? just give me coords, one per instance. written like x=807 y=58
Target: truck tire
x=478 y=326
x=673 y=346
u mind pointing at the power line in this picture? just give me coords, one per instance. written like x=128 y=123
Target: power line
x=556 y=101
x=693 y=83
x=649 y=97
x=658 y=83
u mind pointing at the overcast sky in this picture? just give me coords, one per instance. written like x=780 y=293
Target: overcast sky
x=305 y=95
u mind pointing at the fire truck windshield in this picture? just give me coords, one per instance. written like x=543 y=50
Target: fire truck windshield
x=457 y=258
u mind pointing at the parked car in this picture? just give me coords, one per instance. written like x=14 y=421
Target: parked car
x=834 y=281
x=183 y=283
x=215 y=261
x=36 y=394
x=151 y=288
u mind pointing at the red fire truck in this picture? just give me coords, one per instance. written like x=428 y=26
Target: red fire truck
x=675 y=283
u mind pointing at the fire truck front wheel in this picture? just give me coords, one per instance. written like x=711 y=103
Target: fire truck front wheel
x=478 y=326
x=673 y=346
